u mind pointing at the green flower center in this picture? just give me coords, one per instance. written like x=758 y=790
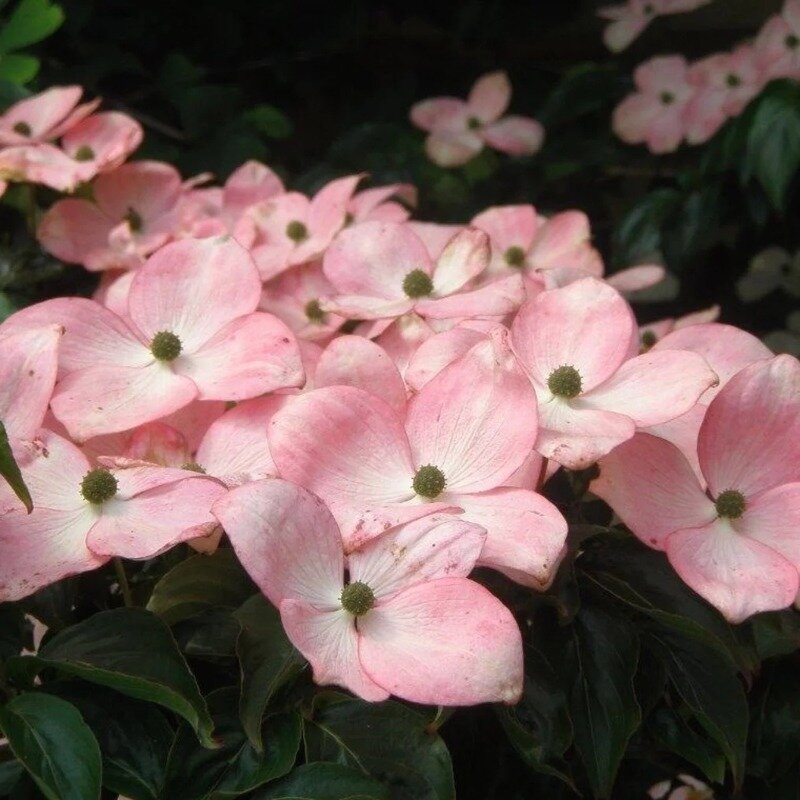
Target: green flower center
x=429 y=481
x=84 y=153
x=667 y=98
x=314 y=313
x=297 y=231
x=98 y=486
x=791 y=41
x=565 y=382
x=134 y=220
x=22 y=128
x=417 y=284
x=193 y=466
x=733 y=80
x=648 y=10
x=473 y=123
x=731 y=504
x=166 y=346
x=357 y=598
x=648 y=340
x=514 y=256
x=349 y=219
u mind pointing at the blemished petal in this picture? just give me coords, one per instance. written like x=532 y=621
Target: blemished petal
x=653 y=489
x=327 y=211
x=525 y=533
x=496 y=299
x=235 y=448
x=434 y=354
x=635 y=279
x=373 y=259
x=586 y=325
x=654 y=387
x=764 y=452
x=193 y=288
x=41 y=112
x=286 y=539
x=737 y=575
x=508 y=226
x=515 y=136
x=437 y=112
x=356 y=361
x=410 y=645
x=158 y=518
x=452 y=148
x=577 y=437
x=364 y=307
x=464 y=257
x=44 y=164
x=110 y=137
x=249 y=356
x=437 y=546
x=329 y=640
x=476 y=420
x=109 y=399
x=158 y=443
x=489 y=97
x=42 y=548
x=251 y=183
x=27 y=377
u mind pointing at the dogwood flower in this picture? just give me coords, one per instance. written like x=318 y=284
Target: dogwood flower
x=406 y=622
x=778 y=43
x=459 y=130
x=734 y=537
x=102 y=141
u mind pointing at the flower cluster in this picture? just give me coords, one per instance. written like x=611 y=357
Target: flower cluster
x=369 y=407
x=676 y=101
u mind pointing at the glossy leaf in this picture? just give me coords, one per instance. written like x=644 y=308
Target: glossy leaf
x=30 y=22
x=321 y=781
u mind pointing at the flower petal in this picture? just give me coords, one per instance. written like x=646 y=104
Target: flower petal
x=516 y=136
x=490 y=96
x=464 y=257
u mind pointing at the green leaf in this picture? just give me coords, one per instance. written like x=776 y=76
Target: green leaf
x=200 y=583
x=776 y=633
x=31 y=21
x=388 y=741
x=638 y=237
x=320 y=781
x=18 y=68
x=268 y=661
x=134 y=737
x=269 y=121
x=16 y=632
x=10 y=774
x=54 y=744
x=132 y=651
x=10 y=471
x=773 y=142
x=601 y=656
x=236 y=767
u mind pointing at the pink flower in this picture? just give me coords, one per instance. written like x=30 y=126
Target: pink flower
x=102 y=141
x=735 y=537
x=726 y=83
x=465 y=433
x=192 y=332
x=382 y=270
x=44 y=117
x=627 y=21
x=82 y=515
x=654 y=114
x=391 y=628
x=778 y=43
x=460 y=129
x=42 y=164
x=575 y=344
x=132 y=215
x=291 y=229
x=377 y=204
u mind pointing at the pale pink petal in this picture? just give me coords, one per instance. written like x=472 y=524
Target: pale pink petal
x=434 y=235
x=622 y=32
x=366 y=308
x=410 y=645
x=496 y=299
x=437 y=112
x=113 y=289
x=765 y=451
x=437 y=546
x=27 y=377
x=738 y=576
x=150 y=188
x=376 y=203
x=773 y=519
x=452 y=149
x=158 y=443
x=434 y=354
x=634 y=116
x=561 y=242
x=287 y=541
x=41 y=113
x=652 y=489
x=683 y=432
x=508 y=226
x=403 y=337
x=525 y=537
x=249 y=356
x=476 y=420
x=464 y=258
x=42 y=163
x=490 y=96
x=635 y=279
x=356 y=361
x=328 y=639
x=103 y=140
x=251 y=183
x=516 y=136
x=326 y=215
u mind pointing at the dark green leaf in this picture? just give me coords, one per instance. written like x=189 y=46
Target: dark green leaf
x=16 y=632
x=639 y=235
x=269 y=121
x=320 y=781
x=601 y=658
x=18 y=68
x=132 y=651
x=268 y=660
x=776 y=633
x=200 y=583
x=10 y=774
x=211 y=635
x=10 y=471
x=54 y=744
x=31 y=21
x=388 y=741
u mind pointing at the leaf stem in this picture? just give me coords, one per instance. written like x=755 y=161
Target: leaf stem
x=124 y=586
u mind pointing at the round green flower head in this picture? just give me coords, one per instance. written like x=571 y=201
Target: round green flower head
x=417 y=284
x=84 y=153
x=648 y=340
x=429 y=481
x=565 y=382
x=193 y=466
x=314 y=313
x=667 y=98
x=514 y=256
x=22 y=128
x=98 y=486
x=731 y=504
x=473 y=123
x=134 y=219
x=792 y=40
x=166 y=346
x=297 y=231
x=733 y=80
x=357 y=598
